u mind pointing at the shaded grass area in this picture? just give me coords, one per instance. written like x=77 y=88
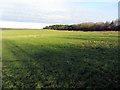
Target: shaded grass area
x=56 y=61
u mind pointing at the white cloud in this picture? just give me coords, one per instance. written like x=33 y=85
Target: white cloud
x=93 y=0
x=45 y=5
x=31 y=10
x=11 y=24
x=53 y=12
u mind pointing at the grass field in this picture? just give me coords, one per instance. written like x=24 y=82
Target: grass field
x=45 y=58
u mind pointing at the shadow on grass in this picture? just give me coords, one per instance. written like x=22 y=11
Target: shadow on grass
x=99 y=38
x=53 y=66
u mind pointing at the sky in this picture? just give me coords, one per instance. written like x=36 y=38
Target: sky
x=39 y=13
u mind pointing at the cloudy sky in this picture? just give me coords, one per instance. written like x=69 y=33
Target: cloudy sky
x=38 y=13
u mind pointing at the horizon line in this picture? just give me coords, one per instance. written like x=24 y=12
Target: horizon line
x=33 y=25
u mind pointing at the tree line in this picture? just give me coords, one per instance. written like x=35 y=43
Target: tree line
x=88 y=26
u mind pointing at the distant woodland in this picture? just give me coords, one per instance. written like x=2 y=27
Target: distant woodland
x=88 y=26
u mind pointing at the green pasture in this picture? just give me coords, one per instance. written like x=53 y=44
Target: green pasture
x=50 y=59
